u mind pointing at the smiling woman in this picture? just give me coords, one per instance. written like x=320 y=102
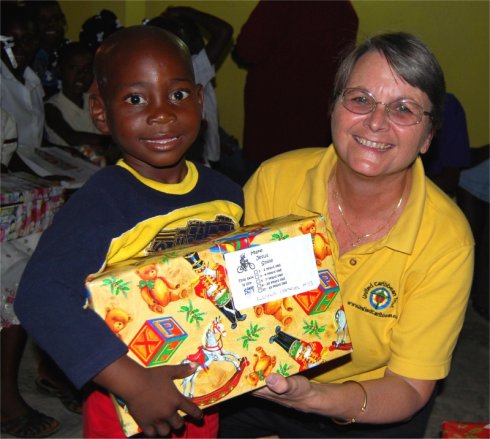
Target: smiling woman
x=395 y=239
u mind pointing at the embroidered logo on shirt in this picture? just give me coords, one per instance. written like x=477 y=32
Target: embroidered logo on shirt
x=381 y=297
x=195 y=231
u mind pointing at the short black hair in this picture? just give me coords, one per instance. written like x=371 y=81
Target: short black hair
x=36 y=5
x=131 y=36
x=12 y=13
x=410 y=58
x=71 y=49
x=97 y=28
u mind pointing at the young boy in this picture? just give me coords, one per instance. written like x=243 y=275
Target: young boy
x=148 y=101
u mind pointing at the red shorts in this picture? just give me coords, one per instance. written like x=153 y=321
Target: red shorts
x=100 y=420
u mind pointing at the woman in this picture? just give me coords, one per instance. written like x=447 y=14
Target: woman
x=403 y=253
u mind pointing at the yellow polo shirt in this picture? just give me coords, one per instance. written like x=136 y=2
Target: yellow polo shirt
x=405 y=295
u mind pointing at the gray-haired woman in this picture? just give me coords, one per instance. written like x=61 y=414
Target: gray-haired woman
x=403 y=253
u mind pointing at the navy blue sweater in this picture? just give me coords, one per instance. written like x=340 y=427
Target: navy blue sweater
x=104 y=222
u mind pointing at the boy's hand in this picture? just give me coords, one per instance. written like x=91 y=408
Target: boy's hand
x=155 y=406
x=150 y=394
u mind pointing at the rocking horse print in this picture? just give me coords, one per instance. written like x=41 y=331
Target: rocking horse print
x=211 y=350
x=341 y=322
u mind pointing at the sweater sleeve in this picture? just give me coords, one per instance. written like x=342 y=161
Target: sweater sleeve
x=51 y=298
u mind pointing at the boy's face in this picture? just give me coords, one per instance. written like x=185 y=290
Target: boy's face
x=151 y=107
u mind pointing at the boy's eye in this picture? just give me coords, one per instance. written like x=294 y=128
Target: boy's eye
x=135 y=100
x=179 y=95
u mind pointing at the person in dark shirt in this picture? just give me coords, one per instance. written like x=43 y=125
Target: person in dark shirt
x=148 y=101
x=285 y=47
x=449 y=152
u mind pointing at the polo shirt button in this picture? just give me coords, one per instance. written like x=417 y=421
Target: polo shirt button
x=353 y=261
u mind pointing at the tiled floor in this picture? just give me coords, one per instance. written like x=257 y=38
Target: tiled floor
x=464 y=396
x=465 y=393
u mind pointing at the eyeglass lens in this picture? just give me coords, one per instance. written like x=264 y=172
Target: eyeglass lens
x=401 y=112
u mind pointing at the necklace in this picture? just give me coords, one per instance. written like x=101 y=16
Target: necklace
x=358 y=237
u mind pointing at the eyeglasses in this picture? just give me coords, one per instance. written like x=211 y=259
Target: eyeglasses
x=402 y=112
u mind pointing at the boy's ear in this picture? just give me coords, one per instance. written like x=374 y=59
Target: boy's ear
x=97 y=111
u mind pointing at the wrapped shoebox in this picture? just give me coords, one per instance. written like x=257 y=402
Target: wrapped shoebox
x=27 y=204
x=261 y=299
x=456 y=429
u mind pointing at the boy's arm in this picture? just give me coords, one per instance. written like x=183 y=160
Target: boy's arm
x=143 y=389
x=51 y=298
x=55 y=121
x=219 y=31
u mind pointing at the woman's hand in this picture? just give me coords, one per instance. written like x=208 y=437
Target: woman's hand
x=392 y=398
x=295 y=391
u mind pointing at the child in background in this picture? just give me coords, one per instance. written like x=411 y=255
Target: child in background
x=22 y=98
x=18 y=418
x=97 y=28
x=21 y=105
x=190 y=25
x=149 y=102
x=68 y=120
x=51 y=22
x=8 y=139
x=21 y=90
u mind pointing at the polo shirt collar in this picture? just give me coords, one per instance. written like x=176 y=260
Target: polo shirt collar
x=402 y=236
x=404 y=233
x=315 y=201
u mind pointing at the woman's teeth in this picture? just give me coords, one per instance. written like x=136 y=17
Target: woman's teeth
x=371 y=144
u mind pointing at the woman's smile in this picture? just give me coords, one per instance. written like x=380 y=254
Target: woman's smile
x=379 y=146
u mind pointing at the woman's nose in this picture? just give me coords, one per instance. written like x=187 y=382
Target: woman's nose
x=378 y=118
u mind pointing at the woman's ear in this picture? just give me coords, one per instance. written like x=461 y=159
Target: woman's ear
x=427 y=142
x=97 y=111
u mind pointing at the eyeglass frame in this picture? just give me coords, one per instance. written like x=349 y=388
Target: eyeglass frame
x=375 y=103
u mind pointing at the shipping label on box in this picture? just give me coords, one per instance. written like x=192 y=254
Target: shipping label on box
x=261 y=299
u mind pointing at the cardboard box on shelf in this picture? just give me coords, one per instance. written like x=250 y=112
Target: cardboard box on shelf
x=27 y=204
x=261 y=299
